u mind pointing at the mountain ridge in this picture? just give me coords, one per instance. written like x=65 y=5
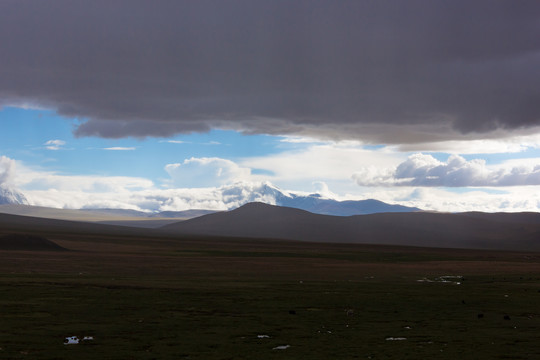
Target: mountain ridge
x=316 y=203
x=462 y=230
x=233 y=196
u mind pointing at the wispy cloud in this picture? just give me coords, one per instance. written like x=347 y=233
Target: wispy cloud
x=54 y=144
x=175 y=141
x=299 y=140
x=120 y=148
x=320 y=162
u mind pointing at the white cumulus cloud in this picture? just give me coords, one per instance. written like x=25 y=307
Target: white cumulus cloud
x=7 y=166
x=424 y=170
x=120 y=148
x=54 y=144
x=205 y=172
x=210 y=185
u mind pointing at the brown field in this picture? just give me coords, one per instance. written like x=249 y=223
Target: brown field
x=151 y=296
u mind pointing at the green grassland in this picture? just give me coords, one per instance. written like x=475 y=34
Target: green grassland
x=215 y=298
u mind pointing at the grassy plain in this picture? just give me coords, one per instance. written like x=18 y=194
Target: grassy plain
x=217 y=298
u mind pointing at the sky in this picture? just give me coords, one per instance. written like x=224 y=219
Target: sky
x=194 y=104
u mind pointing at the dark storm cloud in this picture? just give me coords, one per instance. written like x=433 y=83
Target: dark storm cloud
x=395 y=71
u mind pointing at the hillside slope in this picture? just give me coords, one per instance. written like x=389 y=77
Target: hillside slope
x=258 y=220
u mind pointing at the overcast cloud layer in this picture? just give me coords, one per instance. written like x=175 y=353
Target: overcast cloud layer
x=382 y=71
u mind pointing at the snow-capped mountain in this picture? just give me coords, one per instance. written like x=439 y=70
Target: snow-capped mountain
x=315 y=203
x=10 y=196
x=230 y=197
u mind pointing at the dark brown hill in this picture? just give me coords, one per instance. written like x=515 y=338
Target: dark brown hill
x=43 y=226
x=467 y=230
x=28 y=242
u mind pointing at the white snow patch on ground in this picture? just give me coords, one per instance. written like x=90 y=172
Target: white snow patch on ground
x=71 y=340
x=452 y=279
x=282 y=347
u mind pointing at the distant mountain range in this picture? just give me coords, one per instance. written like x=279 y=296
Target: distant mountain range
x=270 y=194
x=315 y=203
x=464 y=230
x=234 y=195
x=318 y=204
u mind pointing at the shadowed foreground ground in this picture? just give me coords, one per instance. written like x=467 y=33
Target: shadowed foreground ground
x=210 y=298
